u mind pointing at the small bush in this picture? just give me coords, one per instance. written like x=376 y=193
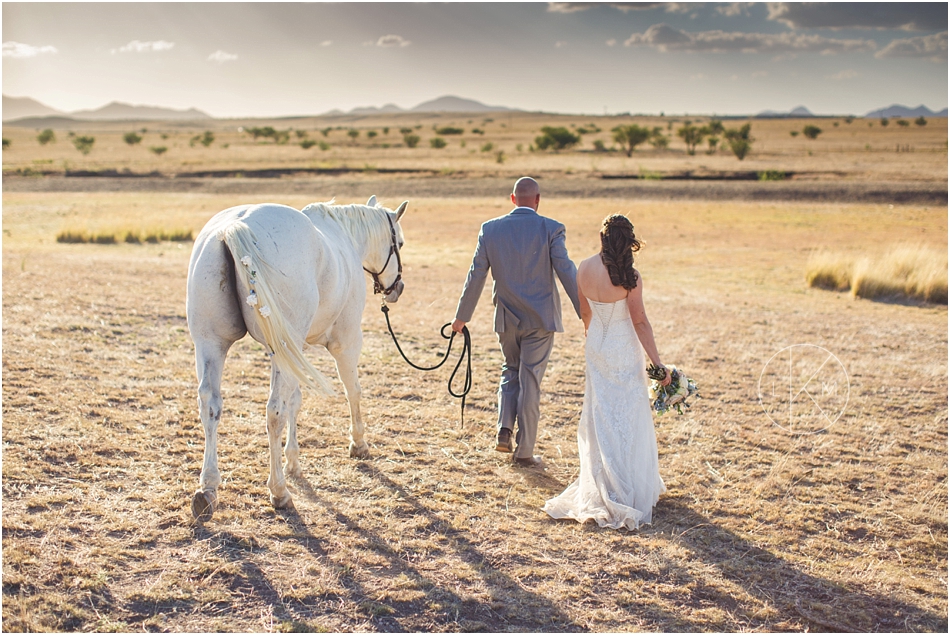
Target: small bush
x=207 y=138
x=47 y=136
x=131 y=138
x=488 y=147
x=921 y=121
x=6 y=143
x=849 y=120
x=903 y=123
x=500 y=156
x=326 y=131
x=739 y=140
x=589 y=129
x=324 y=146
x=411 y=140
x=599 y=145
x=478 y=131
x=772 y=175
x=794 y=133
x=712 y=142
x=353 y=134
x=386 y=130
x=301 y=134
x=437 y=142
x=405 y=130
x=84 y=144
x=372 y=134
x=658 y=140
x=692 y=136
x=630 y=136
x=449 y=130
x=811 y=131
x=556 y=138
x=306 y=144
x=158 y=150
x=884 y=121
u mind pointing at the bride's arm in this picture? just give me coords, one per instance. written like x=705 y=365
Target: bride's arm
x=584 y=305
x=641 y=324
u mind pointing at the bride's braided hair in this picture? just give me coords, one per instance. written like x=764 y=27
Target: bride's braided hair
x=618 y=242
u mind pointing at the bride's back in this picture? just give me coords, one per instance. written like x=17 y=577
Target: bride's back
x=594 y=282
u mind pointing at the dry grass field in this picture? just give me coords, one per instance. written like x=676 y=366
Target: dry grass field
x=761 y=529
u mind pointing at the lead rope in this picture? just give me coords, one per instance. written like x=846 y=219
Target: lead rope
x=466 y=356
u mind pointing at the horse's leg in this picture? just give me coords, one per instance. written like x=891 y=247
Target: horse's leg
x=346 y=352
x=291 y=449
x=209 y=357
x=283 y=389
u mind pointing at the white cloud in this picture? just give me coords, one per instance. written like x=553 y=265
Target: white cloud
x=910 y=16
x=665 y=38
x=326 y=43
x=18 y=49
x=845 y=74
x=391 y=41
x=221 y=57
x=611 y=42
x=144 y=47
x=574 y=7
x=932 y=46
x=732 y=9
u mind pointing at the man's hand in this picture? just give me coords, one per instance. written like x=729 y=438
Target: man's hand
x=457 y=326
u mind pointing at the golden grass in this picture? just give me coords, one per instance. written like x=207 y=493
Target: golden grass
x=131 y=236
x=916 y=272
x=759 y=531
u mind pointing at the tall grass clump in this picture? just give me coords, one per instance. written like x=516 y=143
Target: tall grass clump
x=130 y=236
x=908 y=271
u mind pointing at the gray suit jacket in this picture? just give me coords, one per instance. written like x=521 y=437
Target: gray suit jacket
x=524 y=251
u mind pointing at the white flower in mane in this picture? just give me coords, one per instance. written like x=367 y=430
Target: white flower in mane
x=246 y=261
x=252 y=299
x=265 y=311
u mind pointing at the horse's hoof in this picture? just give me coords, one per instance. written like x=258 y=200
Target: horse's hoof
x=283 y=502
x=292 y=470
x=359 y=452
x=203 y=504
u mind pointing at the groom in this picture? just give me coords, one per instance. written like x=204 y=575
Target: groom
x=524 y=251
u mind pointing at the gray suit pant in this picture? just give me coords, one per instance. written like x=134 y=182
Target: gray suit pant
x=519 y=393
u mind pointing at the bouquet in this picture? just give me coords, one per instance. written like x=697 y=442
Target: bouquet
x=676 y=394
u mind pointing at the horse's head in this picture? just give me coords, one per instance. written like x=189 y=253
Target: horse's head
x=385 y=258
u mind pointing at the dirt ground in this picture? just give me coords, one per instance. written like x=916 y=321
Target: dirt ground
x=762 y=529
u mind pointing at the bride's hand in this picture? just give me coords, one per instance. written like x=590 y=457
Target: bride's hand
x=669 y=377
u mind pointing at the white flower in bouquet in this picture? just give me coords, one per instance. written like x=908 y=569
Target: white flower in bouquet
x=675 y=395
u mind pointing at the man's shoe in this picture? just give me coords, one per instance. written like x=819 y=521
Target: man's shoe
x=530 y=461
x=504 y=441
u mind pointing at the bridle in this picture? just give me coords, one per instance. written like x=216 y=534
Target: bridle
x=393 y=249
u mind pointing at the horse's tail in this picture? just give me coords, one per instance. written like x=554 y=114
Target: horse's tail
x=250 y=267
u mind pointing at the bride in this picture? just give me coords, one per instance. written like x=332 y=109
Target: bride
x=619 y=478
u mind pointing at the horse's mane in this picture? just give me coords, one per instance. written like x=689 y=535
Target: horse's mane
x=360 y=222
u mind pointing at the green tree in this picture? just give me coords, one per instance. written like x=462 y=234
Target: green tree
x=739 y=140
x=557 y=138
x=630 y=136
x=84 y=144
x=353 y=134
x=920 y=121
x=811 y=131
x=411 y=140
x=437 y=142
x=131 y=138
x=884 y=121
x=47 y=136
x=371 y=134
x=692 y=136
x=659 y=140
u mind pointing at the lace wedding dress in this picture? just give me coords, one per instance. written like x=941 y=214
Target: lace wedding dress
x=619 y=480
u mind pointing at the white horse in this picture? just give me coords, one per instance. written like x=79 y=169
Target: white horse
x=287 y=277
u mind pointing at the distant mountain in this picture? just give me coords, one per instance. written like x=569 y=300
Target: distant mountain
x=23 y=107
x=18 y=107
x=796 y=113
x=903 y=111
x=373 y=110
x=450 y=103
x=117 y=111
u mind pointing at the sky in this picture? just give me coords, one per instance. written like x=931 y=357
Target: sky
x=285 y=59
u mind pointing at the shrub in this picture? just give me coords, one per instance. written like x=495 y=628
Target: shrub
x=794 y=133
x=448 y=130
x=772 y=175
x=884 y=121
x=437 y=142
x=411 y=140
x=159 y=150
x=131 y=138
x=372 y=134
x=386 y=130
x=353 y=134
x=658 y=140
x=558 y=138
x=692 y=136
x=324 y=146
x=630 y=136
x=306 y=144
x=488 y=147
x=47 y=136
x=713 y=142
x=714 y=127
x=500 y=156
x=326 y=131
x=849 y=119
x=205 y=139
x=599 y=145
x=588 y=129
x=739 y=140
x=903 y=123
x=920 y=121
x=266 y=132
x=811 y=131
x=405 y=130
x=478 y=131
x=84 y=144
x=6 y=143
x=301 y=134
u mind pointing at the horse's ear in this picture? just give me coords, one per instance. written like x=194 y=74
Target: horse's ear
x=401 y=210
x=372 y=201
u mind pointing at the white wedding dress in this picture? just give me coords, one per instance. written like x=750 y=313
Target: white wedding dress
x=619 y=480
